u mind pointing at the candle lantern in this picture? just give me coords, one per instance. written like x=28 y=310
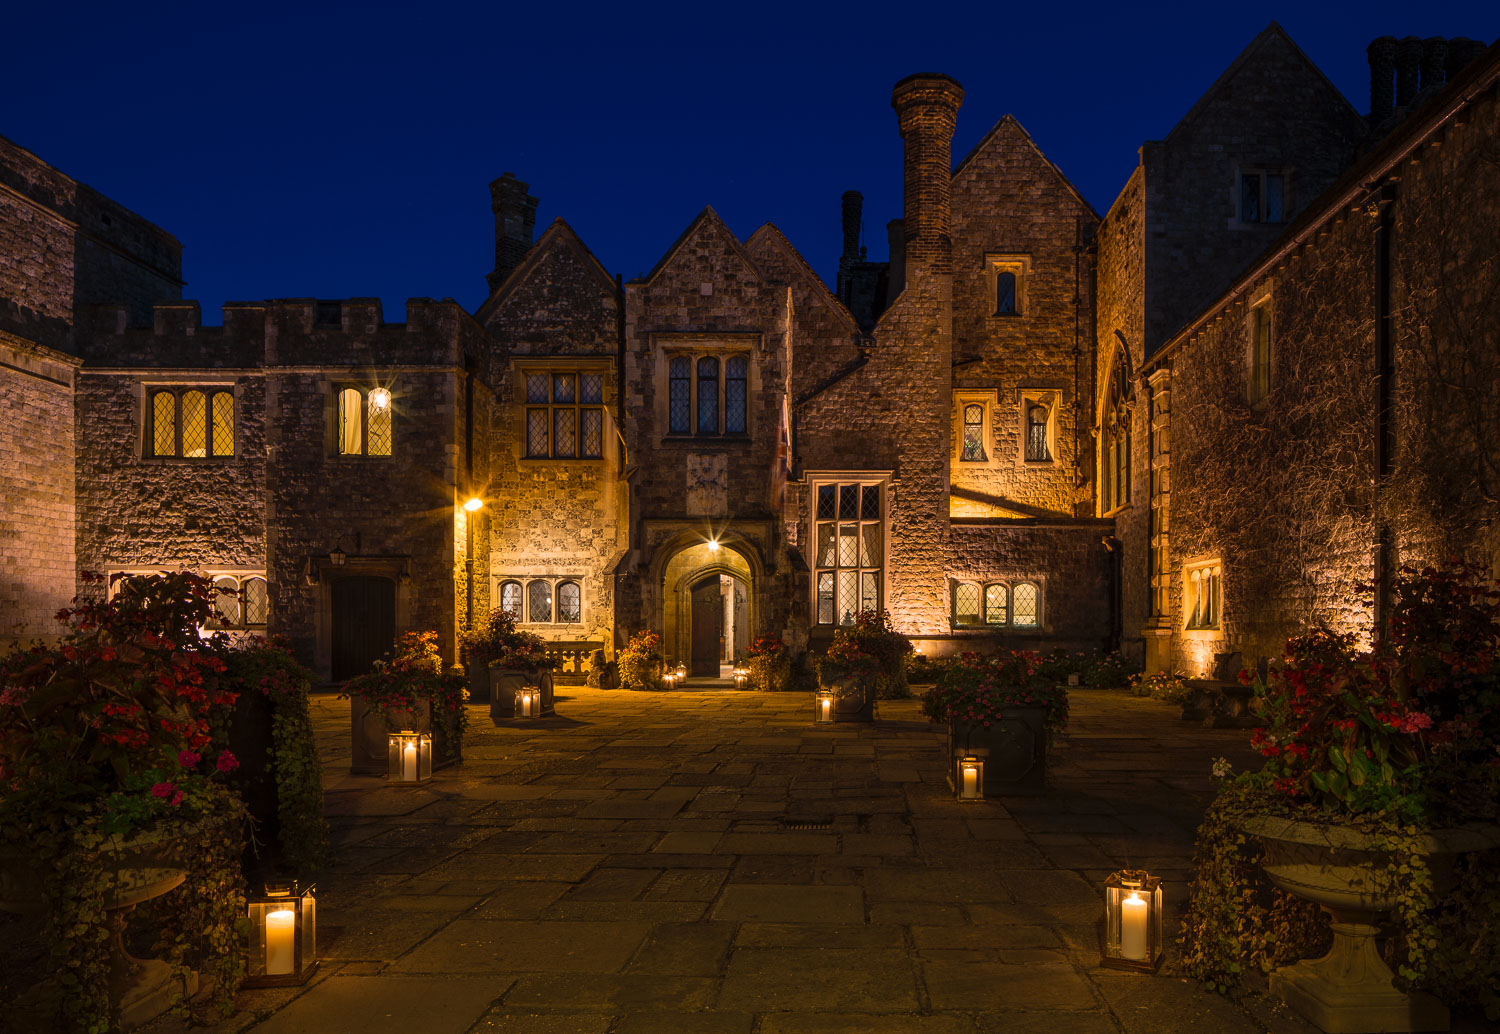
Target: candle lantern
x=669 y=679
x=410 y=757
x=1132 y=921
x=823 y=706
x=528 y=703
x=970 y=783
x=741 y=677
x=1073 y=679
x=283 y=936
x=681 y=672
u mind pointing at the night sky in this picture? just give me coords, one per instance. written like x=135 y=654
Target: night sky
x=298 y=151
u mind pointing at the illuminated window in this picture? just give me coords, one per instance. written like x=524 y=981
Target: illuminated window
x=1026 y=605
x=564 y=415
x=544 y=600
x=510 y=599
x=849 y=536
x=995 y=604
x=240 y=602
x=708 y=394
x=973 y=449
x=1114 y=451
x=966 y=603
x=365 y=421
x=190 y=423
x=569 y=603
x=1201 y=594
x=1037 y=421
x=1259 y=373
x=1263 y=196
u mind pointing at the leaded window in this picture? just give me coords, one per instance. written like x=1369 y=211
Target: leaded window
x=191 y=423
x=973 y=449
x=510 y=599
x=240 y=601
x=539 y=601
x=995 y=604
x=364 y=422
x=1114 y=474
x=708 y=394
x=681 y=389
x=1036 y=433
x=569 y=603
x=849 y=541
x=564 y=415
x=966 y=604
x=735 y=370
x=544 y=600
x=1026 y=600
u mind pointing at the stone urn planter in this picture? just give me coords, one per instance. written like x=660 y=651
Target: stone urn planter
x=145 y=867
x=853 y=698
x=1013 y=749
x=503 y=685
x=1340 y=869
x=370 y=737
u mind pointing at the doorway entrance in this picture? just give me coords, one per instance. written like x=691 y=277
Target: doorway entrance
x=707 y=614
x=364 y=623
x=708 y=628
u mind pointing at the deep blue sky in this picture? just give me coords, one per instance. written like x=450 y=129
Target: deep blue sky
x=305 y=150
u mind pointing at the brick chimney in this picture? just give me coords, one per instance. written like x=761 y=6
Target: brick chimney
x=1408 y=69
x=1434 y=57
x=1382 y=54
x=1462 y=50
x=927 y=111
x=853 y=208
x=515 y=222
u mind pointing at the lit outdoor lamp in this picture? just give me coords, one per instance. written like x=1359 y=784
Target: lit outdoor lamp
x=1132 y=921
x=283 y=936
x=336 y=556
x=528 y=702
x=823 y=706
x=380 y=399
x=410 y=757
x=970 y=784
x=473 y=503
x=713 y=545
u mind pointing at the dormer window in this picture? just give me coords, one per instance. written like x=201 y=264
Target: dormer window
x=1005 y=276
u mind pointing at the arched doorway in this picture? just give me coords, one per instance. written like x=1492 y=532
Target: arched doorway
x=707 y=597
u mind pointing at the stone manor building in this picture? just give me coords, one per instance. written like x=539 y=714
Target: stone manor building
x=1183 y=428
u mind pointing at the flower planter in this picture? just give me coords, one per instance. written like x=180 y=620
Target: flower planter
x=503 y=685
x=1013 y=749
x=1339 y=869
x=370 y=735
x=144 y=868
x=479 y=681
x=854 y=699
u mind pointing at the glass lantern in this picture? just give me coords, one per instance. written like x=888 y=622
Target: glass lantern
x=283 y=936
x=681 y=672
x=410 y=757
x=823 y=706
x=970 y=783
x=1132 y=921
x=741 y=677
x=528 y=702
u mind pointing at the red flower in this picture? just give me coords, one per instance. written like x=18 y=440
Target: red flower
x=187 y=758
x=228 y=762
x=163 y=790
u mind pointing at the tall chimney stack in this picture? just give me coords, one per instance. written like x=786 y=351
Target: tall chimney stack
x=854 y=203
x=927 y=111
x=515 y=223
x=1434 y=57
x=1382 y=54
x=1408 y=69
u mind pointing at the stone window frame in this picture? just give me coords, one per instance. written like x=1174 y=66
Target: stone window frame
x=1262 y=173
x=577 y=407
x=694 y=348
x=554 y=583
x=1115 y=432
x=242 y=580
x=603 y=366
x=881 y=482
x=1049 y=399
x=982 y=620
x=1260 y=346
x=241 y=576
x=211 y=390
x=1203 y=595
x=335 y=435
x=1016 y=263
x=988 y=399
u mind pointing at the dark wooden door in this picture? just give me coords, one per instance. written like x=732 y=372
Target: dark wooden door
x=364 y=624
x=708 y=616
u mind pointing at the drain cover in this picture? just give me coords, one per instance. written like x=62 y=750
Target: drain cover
x=806 y=823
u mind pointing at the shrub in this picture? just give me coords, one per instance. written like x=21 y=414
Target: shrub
x=498 y=641
x=869 y=650
x=770 y=664
x=392 y=689
x=641 y=662
x=1108 y=671
x=980 y=690
x=1169 y=686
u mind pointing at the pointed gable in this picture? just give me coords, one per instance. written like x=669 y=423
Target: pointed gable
x=779 y=260
x=707 y=246
x=1008 y=143
x=559 y=301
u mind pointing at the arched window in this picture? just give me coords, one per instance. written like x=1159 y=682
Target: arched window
x=1005 y=294
x=996 y=603
x=734 y=394
x=257 y=601
x=966 y=604
x=1025 y=600
x=364 y=426
x=539 y=601
x=681 y=388
x=1036 y=434
x=708 y=395
x=569 y=603
x=510 y=599
x=1114 y=473
x=973 y=433
x=227 y=601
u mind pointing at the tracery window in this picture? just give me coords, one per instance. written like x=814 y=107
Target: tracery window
x=1114 y=473
x=1201 y=593
x=564 y=415
x=191 y=423
x=708 y=394
x=849 y=536
x=364 y=422
x=973 y=449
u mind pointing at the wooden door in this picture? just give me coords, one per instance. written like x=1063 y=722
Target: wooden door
x=364 y=623
x=708 y=616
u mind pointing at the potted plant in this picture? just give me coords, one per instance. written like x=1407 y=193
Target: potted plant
x=114 y=795
x=865 y=660
x=408 y=692
x=769 y=663
x=1379 y=795
x=509 y=659
x=641 y=662
x=1002 y=710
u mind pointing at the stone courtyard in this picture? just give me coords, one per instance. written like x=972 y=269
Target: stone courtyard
x=715 y=863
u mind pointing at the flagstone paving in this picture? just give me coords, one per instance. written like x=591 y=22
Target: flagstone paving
x=714 y=863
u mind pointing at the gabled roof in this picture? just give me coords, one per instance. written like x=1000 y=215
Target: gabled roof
x=777 y=239
x=706 y=219
x=558 y=235
x=1010 y=122
x=1266 y=37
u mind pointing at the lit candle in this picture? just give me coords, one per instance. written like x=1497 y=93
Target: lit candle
x=281 y=928
x=826 y=704
x=525 y=705
x=409 y=762
x=971 y=781
x=1133 y=913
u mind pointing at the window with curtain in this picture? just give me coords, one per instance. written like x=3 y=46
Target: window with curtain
x=973 y=448
x=1201 y=595
x=365 y=421
x=849 y=533
x=1036 y=433
x=565 y=415
x=240 y=601
x=190 y=423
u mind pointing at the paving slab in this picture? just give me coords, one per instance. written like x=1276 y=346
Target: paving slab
x=789 y=903
x=518 y=946
x=361 y=1005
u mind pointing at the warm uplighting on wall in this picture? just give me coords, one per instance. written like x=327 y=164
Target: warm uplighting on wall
x=473 y=503
x=283 y=936
x=380 y=400
x=1132 y=921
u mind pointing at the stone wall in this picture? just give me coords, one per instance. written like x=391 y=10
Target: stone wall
x=36 y=488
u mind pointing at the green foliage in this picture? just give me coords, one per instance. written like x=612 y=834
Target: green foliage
x=770 y=664
x=979 y=690
x=394 y=689
x=1169 y=686
x=641 y=661
x=870 y=651
x=594 y=669
x=921 y=670
x=498 y=641
x=1095 y=670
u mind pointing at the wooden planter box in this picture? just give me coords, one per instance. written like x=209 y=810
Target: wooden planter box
x=503 y=685
x=854 y=700
x=371 y=738
x=1014 y=752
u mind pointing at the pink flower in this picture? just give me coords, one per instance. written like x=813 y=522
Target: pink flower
x=228 y=762
x=187 y=759
x=163 y=790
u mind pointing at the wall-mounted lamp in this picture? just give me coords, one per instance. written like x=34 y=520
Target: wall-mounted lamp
x=473 y=503
x=336 y=556
x=380 y=400
x=713 y=545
